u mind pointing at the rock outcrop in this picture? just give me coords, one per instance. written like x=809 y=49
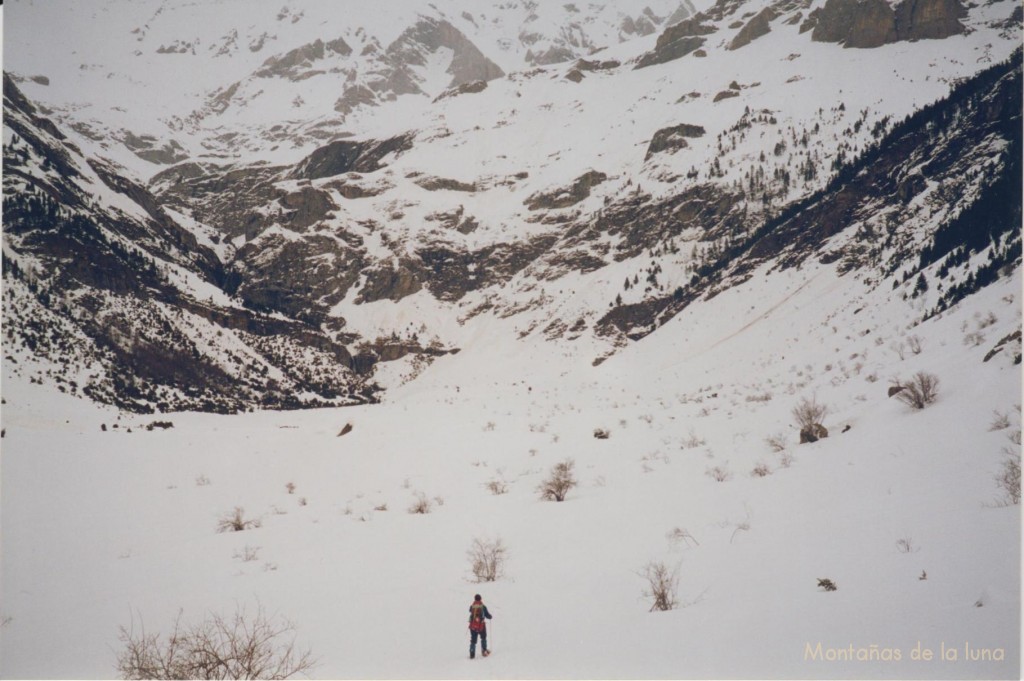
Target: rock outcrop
x=758 y=26
x=673 y=138
x=567 y=196
x=873 y=23
x=677 y=41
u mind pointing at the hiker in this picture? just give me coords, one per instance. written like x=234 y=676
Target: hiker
x=478 y=617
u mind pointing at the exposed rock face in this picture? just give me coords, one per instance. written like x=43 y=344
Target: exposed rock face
x=429 y=35
x=226 y=198
x=567 y=196
x=673 y=138
x=929 y=19
x=678 y=41
x=469 y=88
x=386 y=283
x=456 y=220
x=856 y=23
x=873 y=23
x=758 y=26
x=345 y=156
x=302 y=278
x=443 y=183
x=149 y=148
x=295 y=65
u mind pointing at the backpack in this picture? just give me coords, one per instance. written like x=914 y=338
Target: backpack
x=476 y=617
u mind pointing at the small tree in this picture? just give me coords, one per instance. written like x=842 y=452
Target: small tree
x=559 y=482
x=487 y=559
x=920 y=391
x=240 y=647
x=662 y=585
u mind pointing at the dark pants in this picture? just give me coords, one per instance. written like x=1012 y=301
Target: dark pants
x=472 y=641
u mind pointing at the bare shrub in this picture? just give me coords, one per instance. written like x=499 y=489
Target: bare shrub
x=381 y=507
x=681 y=535
x=719 y=474
x=487 y=559
x=236 y=522
x=974 y=339
x=1008 y=477
x=906 y=545
x=559 y=481
x=809 y=412
x=693 y=441
x=785 y=459
x=662 y=585
x=290 y=487
x=602 y=433
x=497 y=486
x=777 y=442
x=421 y=505
x=827 y=585
x=915 y=344
x=920 y=391
x=247 y=554
x=238 y=647
x=761 y=470
x=1000 y=421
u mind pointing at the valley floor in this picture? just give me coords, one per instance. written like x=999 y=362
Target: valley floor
x=102 y=527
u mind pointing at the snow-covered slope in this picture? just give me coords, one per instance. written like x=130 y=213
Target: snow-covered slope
x=621 y=234
x=899 y=508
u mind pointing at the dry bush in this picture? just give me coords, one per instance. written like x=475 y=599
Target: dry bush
x=487 y=559
x=1008 y=477
x=827 y=585
x=915 y=344
x=559 y=481
x=238 y=647
x=1000 y=420
x=248 y=554
x=777 y=442
x=809 y=412
x=719 y=474
x=761 y=470
x=236 y=522
x=421 y=505
x=692 y=441
x=681 y=535
x=920 y=391
x=906 y=545
x=497 y=486
x=662 y=586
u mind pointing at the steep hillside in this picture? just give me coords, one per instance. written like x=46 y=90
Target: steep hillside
x=108 y=296
x=588 y=200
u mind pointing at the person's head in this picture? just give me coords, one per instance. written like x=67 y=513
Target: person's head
x=477 y=599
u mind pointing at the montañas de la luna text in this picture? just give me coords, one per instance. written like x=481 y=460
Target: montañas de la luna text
x=876 y=653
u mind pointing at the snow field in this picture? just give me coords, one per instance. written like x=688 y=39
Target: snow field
x=103 y=529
